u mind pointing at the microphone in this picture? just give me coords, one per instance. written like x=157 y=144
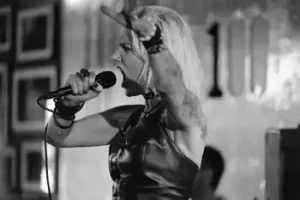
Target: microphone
x=106 y=79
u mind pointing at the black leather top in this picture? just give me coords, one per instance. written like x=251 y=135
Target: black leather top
x=145 y=163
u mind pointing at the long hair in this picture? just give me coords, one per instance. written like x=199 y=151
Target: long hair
x=178 y=38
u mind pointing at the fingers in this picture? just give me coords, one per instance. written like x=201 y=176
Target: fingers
x=85 y=80
x=124 y=18
x=72 y=82
x=143 y=25
x=83 y=86
x=79 y=83
x=129 y=19
x=129 y=5
x=96 y=87
x=92 y=78
x=118 y=17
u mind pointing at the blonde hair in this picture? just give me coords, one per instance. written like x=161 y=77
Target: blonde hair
x=178 y=38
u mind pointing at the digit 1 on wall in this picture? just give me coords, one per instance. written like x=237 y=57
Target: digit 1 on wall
x=215 y=91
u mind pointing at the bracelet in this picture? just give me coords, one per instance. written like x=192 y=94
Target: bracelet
x=66 y=112
x=155 y=44
x=61 y=126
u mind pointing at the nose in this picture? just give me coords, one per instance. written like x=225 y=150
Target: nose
x=116 y=56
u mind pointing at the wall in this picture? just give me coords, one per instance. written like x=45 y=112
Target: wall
x=11 y=143
x=237 y=125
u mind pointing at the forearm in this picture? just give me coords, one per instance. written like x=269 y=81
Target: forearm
x=62 y=120
x=183 y=105
x=55 y=134
x=167 y=74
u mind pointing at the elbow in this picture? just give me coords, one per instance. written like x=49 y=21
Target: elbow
x=55 y=136
x=54 y=143
x=54 y=140
x=170 y=90
x=48 y=137
x=171 y=87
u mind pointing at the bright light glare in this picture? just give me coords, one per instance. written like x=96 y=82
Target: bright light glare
x=283 y=83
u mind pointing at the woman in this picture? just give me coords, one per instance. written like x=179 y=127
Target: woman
x=155 y=149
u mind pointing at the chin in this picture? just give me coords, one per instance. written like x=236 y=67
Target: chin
x=131 y=93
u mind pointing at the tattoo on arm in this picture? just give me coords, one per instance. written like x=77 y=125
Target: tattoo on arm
x=166 y=73
x=168 y=81
x=195 y=112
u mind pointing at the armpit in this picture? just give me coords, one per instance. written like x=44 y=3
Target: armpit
x=185 y=113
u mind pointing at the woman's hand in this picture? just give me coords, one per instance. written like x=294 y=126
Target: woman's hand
x=144 y=26
x=83 y=87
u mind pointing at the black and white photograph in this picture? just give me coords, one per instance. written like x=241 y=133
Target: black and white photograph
x=5 y=28
x=35 y=33
x=28 y=85
x=151 y=99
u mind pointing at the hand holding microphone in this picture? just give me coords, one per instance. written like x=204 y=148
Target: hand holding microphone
x=83 y=86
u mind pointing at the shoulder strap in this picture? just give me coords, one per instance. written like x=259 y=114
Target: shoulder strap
x=134 y=117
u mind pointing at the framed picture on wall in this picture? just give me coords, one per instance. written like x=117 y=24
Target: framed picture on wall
x=33 y=167
x=3 y=102
x=10 y=163
x=31 y=164
x=35 y=33
x=28 y=85
x=5 y=28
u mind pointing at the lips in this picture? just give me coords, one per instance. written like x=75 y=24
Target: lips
x=123 y=73
x=124 y=76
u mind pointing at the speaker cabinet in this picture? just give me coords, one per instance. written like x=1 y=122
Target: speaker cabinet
x=282 y=164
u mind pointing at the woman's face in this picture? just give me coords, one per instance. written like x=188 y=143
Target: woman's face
x=129 y=65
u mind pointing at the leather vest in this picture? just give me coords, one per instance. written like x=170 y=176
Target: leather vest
x=145 y=163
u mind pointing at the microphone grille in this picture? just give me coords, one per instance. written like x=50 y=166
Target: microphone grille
x=106 y=78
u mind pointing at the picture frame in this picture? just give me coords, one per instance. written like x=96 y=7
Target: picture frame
x=35 y=33
x=5 y=28
x=33 y=170
x=31 y=163
x=3 y=102
x=10 y=163
x=28 y=85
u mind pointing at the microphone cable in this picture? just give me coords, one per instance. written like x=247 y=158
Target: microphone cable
x=45 y=146
x=106 y=78
x=46 y=164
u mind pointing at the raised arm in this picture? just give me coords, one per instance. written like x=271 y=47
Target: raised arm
x=183 y=107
